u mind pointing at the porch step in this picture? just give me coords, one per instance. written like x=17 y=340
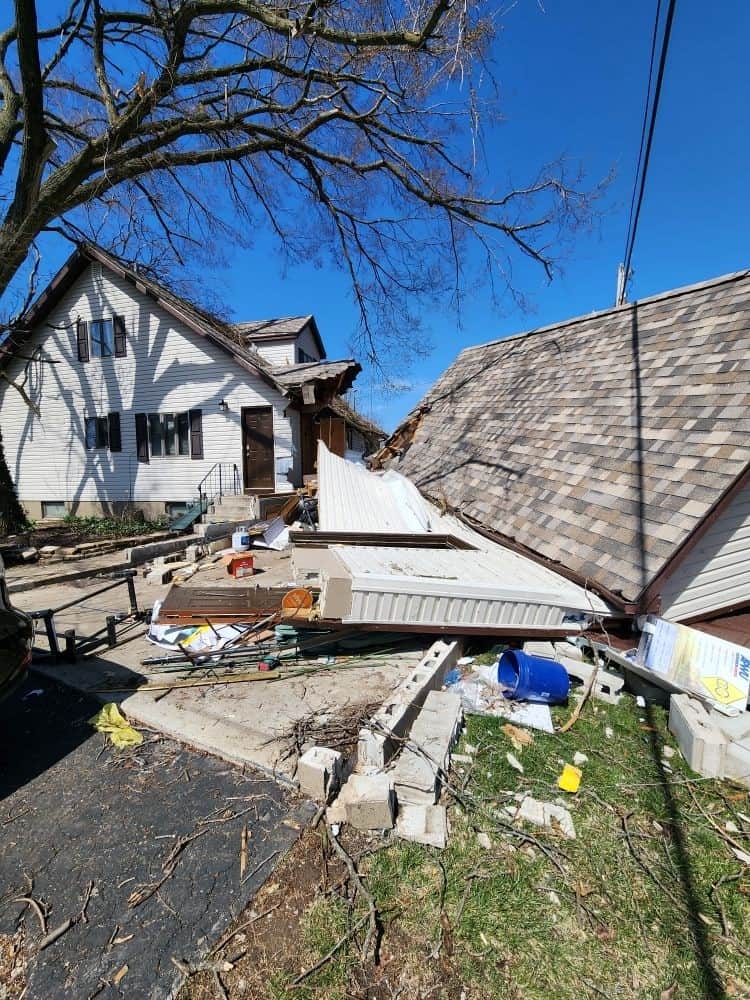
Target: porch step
x=232 y=509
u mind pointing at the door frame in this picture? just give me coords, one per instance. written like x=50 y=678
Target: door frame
x=257 y=490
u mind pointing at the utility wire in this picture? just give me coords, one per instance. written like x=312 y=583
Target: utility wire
x=645 y=156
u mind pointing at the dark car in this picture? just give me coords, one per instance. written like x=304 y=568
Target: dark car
x=16 y=635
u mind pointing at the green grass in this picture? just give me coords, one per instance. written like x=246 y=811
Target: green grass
x=611 y=920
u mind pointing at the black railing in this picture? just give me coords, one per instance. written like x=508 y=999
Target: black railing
x=221 y=480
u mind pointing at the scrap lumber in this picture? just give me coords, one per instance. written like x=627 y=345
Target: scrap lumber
x=221 y=605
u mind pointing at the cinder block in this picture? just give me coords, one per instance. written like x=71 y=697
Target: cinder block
x=160 y=575
x=546 y=814
x=319 y=773
x=737 y=765
x=370 y=802
x=425 y=824
x=608 y=685
x=194 y=552
x=702 y=744
x=380 y=740
x=218 y=544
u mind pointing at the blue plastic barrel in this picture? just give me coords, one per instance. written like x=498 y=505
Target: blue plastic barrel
x=532 y=678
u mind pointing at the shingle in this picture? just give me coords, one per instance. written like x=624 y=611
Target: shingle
x=544 y=439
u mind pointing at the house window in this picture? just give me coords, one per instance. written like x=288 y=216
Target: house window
x=54 y=508
x=101 y=338
x=103 y=432
x=169 y=435
x=303 y=357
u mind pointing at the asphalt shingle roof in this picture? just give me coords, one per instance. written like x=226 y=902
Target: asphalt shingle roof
x=602 y=442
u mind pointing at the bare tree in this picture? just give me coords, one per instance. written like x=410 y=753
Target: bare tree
x=349 y=129
x=346 y=125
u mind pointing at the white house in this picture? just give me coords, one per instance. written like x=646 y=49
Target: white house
x=145 y=399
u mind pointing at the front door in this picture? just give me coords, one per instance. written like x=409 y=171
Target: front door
x=257 y=448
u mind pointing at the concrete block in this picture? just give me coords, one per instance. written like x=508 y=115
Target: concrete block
x=370 y=802
x=540 y=648
x=194 y=552
x=220 y=529
x=140 y=554
x=702 y=744
x=218 y=544
x=546 y=814
x=734 y=727
x=160 y=575
x=737 y=764
x=425 y=824
x=319 y=773
x=608 y=686
x=380 y=740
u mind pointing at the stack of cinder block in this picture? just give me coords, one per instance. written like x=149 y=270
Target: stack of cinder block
x=368 y=801
x=715 y=745
x=418 y=772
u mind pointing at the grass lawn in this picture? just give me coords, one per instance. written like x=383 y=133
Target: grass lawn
x=647 y=901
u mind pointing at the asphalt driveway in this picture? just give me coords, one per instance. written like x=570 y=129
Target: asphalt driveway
x=140 y=848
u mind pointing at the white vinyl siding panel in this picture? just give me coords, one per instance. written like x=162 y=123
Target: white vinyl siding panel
x=277 y=353
x=716 y=573
x=167 y=369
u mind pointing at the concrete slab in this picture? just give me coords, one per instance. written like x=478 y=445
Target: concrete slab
x=246 y=723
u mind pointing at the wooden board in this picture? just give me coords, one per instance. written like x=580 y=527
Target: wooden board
x=425 y=540
x=219 y=604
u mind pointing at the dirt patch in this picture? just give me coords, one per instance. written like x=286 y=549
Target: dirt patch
x=12 y=965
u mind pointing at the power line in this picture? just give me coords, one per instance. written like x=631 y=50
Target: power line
x=644 y=157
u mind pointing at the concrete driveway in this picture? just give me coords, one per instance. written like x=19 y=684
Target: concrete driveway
x=86 y=825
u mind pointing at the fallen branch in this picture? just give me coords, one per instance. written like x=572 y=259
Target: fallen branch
x=65 y=926
x=373 y=931
x=248 y=923
x=584 y=698
x=30 y=901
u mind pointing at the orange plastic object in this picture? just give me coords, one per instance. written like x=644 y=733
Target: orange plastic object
x=296 y=600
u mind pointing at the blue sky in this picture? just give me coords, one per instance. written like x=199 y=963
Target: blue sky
x=573 y=78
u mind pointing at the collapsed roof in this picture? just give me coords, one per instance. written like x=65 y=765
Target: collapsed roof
x=598 y=445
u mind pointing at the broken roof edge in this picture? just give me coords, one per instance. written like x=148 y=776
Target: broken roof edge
x=203 y=324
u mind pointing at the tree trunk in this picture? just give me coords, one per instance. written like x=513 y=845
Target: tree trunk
x=12 y=517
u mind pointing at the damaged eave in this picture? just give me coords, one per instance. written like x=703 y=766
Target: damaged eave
x=401 y=438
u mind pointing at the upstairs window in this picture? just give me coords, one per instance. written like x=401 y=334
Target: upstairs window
x=101 y=338
x=103 y=432
x=303 y=357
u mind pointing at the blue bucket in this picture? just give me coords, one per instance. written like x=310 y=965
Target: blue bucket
x=532 y=678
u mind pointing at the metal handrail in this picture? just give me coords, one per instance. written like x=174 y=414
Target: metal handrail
x=222 y=479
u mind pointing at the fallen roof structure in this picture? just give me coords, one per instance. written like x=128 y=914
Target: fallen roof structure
x=466 y=584
x=614 y=448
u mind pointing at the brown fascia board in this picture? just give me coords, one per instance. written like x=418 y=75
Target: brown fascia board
x=74 y=266
x=651 y=591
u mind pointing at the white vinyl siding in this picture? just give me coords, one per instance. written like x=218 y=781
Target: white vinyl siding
x=277 y=353
x=167 y=369
x=716 y=573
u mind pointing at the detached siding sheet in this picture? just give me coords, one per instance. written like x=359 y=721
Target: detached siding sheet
x=168 y=368
x=459 y=588
x=716 y=573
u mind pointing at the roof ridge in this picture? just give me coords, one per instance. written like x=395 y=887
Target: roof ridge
x=597 y=313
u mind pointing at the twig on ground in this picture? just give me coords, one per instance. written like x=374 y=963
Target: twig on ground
x=584 y=698
x=144 y=892
x=329 y=955
x=228 y=937
x=373 y=930
x=258 y=867
x=30 y=901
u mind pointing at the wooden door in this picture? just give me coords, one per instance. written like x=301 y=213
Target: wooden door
x=309 y=444
x=257 y=449
x=333 y=434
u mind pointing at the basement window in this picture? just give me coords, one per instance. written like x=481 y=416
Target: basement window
x=54 y=508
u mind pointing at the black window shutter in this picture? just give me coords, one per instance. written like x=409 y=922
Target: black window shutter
x=141 y=437
x=120 y=343
x=115 y=438
x=196 y=434
x=82 y=333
